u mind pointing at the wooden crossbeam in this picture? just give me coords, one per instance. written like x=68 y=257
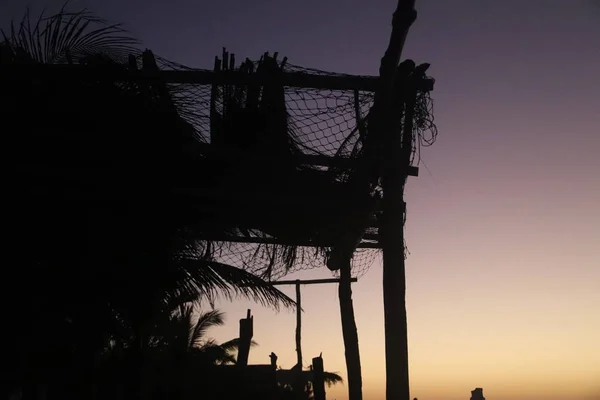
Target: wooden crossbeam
x=307 y=281
x=364 y=83
x=258 y=240
x=315 y=160
x=199 y=77
x=298 y=283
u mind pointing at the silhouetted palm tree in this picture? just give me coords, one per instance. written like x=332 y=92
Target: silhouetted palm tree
x=185 y=333
x=99 y=240
x=287 y=391
x=178 y=353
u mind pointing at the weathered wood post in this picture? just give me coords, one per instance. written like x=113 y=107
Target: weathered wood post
x=298 y=325
x=348 y=324
x=392 y=221
x=349 y=333
x=298 y=385
x=318 y=378
x=246 y=333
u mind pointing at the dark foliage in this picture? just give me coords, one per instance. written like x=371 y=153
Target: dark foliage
x=100 y=242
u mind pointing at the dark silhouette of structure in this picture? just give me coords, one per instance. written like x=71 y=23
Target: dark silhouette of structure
x=477 y=394
x=129 y=169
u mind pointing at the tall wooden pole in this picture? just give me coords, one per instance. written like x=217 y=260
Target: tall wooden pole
x=394 y=269
x=348 y=325
x=318 y=379
x=392 y=222
x=297 y=284
x=246 y=333
x=350 y=333
x=298 y=325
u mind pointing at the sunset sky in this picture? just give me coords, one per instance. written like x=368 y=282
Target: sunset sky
x=503 y=276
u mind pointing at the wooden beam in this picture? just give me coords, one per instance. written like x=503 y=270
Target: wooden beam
x=307 y=281
x=316 y=160
x=270 y=240
x=291 y=79
x=325 y=81
x=297 y=283
x=196 y=77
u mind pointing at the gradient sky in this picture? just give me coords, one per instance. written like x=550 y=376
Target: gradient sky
x=504 y=223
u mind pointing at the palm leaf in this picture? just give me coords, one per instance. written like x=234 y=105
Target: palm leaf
x=331 y=378
x=205 y=321
x=68 y=37
x=234 y=344
x=210 y=279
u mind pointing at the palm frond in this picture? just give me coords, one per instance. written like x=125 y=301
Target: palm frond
x=68 y=37
x=205 y=321
x=212 y=353
x=332 y=378
x=211 y=279
x=234 y=344
x=228 y=359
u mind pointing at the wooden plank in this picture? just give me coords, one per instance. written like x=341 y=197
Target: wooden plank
x=291 y=79
x=307 y=281
x=197 y=77
x=257 y=240
x=364 y=83
x=315 y=160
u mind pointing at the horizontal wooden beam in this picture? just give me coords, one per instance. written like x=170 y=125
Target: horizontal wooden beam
x=316 y=160
x=197 y=77
x=307 y=281
x=321 y=160
x=290 y=79
x=371 y=244
x=365 y=83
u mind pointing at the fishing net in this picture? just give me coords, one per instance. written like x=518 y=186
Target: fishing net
x=330 y=124
x=322 y=133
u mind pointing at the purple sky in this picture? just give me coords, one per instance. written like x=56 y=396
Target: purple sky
x=503 y=224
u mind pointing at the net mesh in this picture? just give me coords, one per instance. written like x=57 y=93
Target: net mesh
x=318 y=122
x=325 y=123
x=325 y=120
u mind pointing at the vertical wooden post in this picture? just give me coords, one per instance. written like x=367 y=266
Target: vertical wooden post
x=347 y=294
x=318 y=382
x=350 y=333
x=246 y=333
x=298 y=325
x=360 y=123
x=215 y=129
x=394 y=268
x=392 y=221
